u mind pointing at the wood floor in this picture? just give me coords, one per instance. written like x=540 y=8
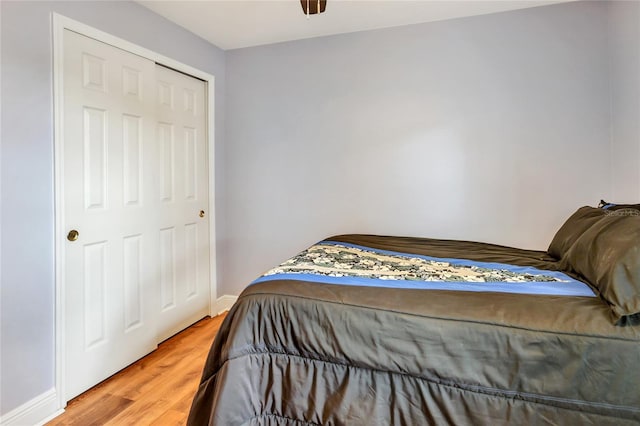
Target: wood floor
x=156 y=390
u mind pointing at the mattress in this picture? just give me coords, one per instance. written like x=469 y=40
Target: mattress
x=296 y=352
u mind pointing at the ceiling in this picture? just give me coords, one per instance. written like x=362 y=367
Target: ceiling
x=232 y=24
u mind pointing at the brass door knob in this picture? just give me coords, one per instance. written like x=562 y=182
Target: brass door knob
x=201 y=213
x=73 y=235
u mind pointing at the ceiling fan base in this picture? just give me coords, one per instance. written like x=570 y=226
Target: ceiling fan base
x=312 y=5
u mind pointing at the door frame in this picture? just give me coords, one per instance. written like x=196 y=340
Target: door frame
x=60 y=24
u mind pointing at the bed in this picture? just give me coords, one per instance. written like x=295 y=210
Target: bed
x=347 y=347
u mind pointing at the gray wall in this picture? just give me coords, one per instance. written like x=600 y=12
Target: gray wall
x=492 y=128
x=624 y=41
x=27 y=266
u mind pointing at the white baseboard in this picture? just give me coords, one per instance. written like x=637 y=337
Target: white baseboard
x=222 y=304
x=35 y=412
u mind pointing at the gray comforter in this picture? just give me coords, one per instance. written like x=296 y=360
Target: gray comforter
x=301 y=353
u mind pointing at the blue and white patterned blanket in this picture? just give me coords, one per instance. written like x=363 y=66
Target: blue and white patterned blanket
x=348 y=264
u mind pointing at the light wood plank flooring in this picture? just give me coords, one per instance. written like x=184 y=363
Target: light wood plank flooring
x=156 y=390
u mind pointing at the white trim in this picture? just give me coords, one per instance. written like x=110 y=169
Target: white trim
x=223 y=304
x=37 y=411
x=60 y=23
x=58 y=166
x=213 y=270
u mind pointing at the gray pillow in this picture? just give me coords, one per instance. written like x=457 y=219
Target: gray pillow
x=573 y=228
x=607 y=254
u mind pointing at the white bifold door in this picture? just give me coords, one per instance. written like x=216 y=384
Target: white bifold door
x=134 y=199
x=183 y=194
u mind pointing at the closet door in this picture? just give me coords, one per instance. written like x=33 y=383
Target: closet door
x=109 y=210
x=183 y=224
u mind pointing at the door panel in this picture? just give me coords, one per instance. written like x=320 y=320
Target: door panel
x=108 y=161
x=94 y=294
x=167 y=270
x=132 y=159
x=132 y=281
x=95 y=157
x=181 y=126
